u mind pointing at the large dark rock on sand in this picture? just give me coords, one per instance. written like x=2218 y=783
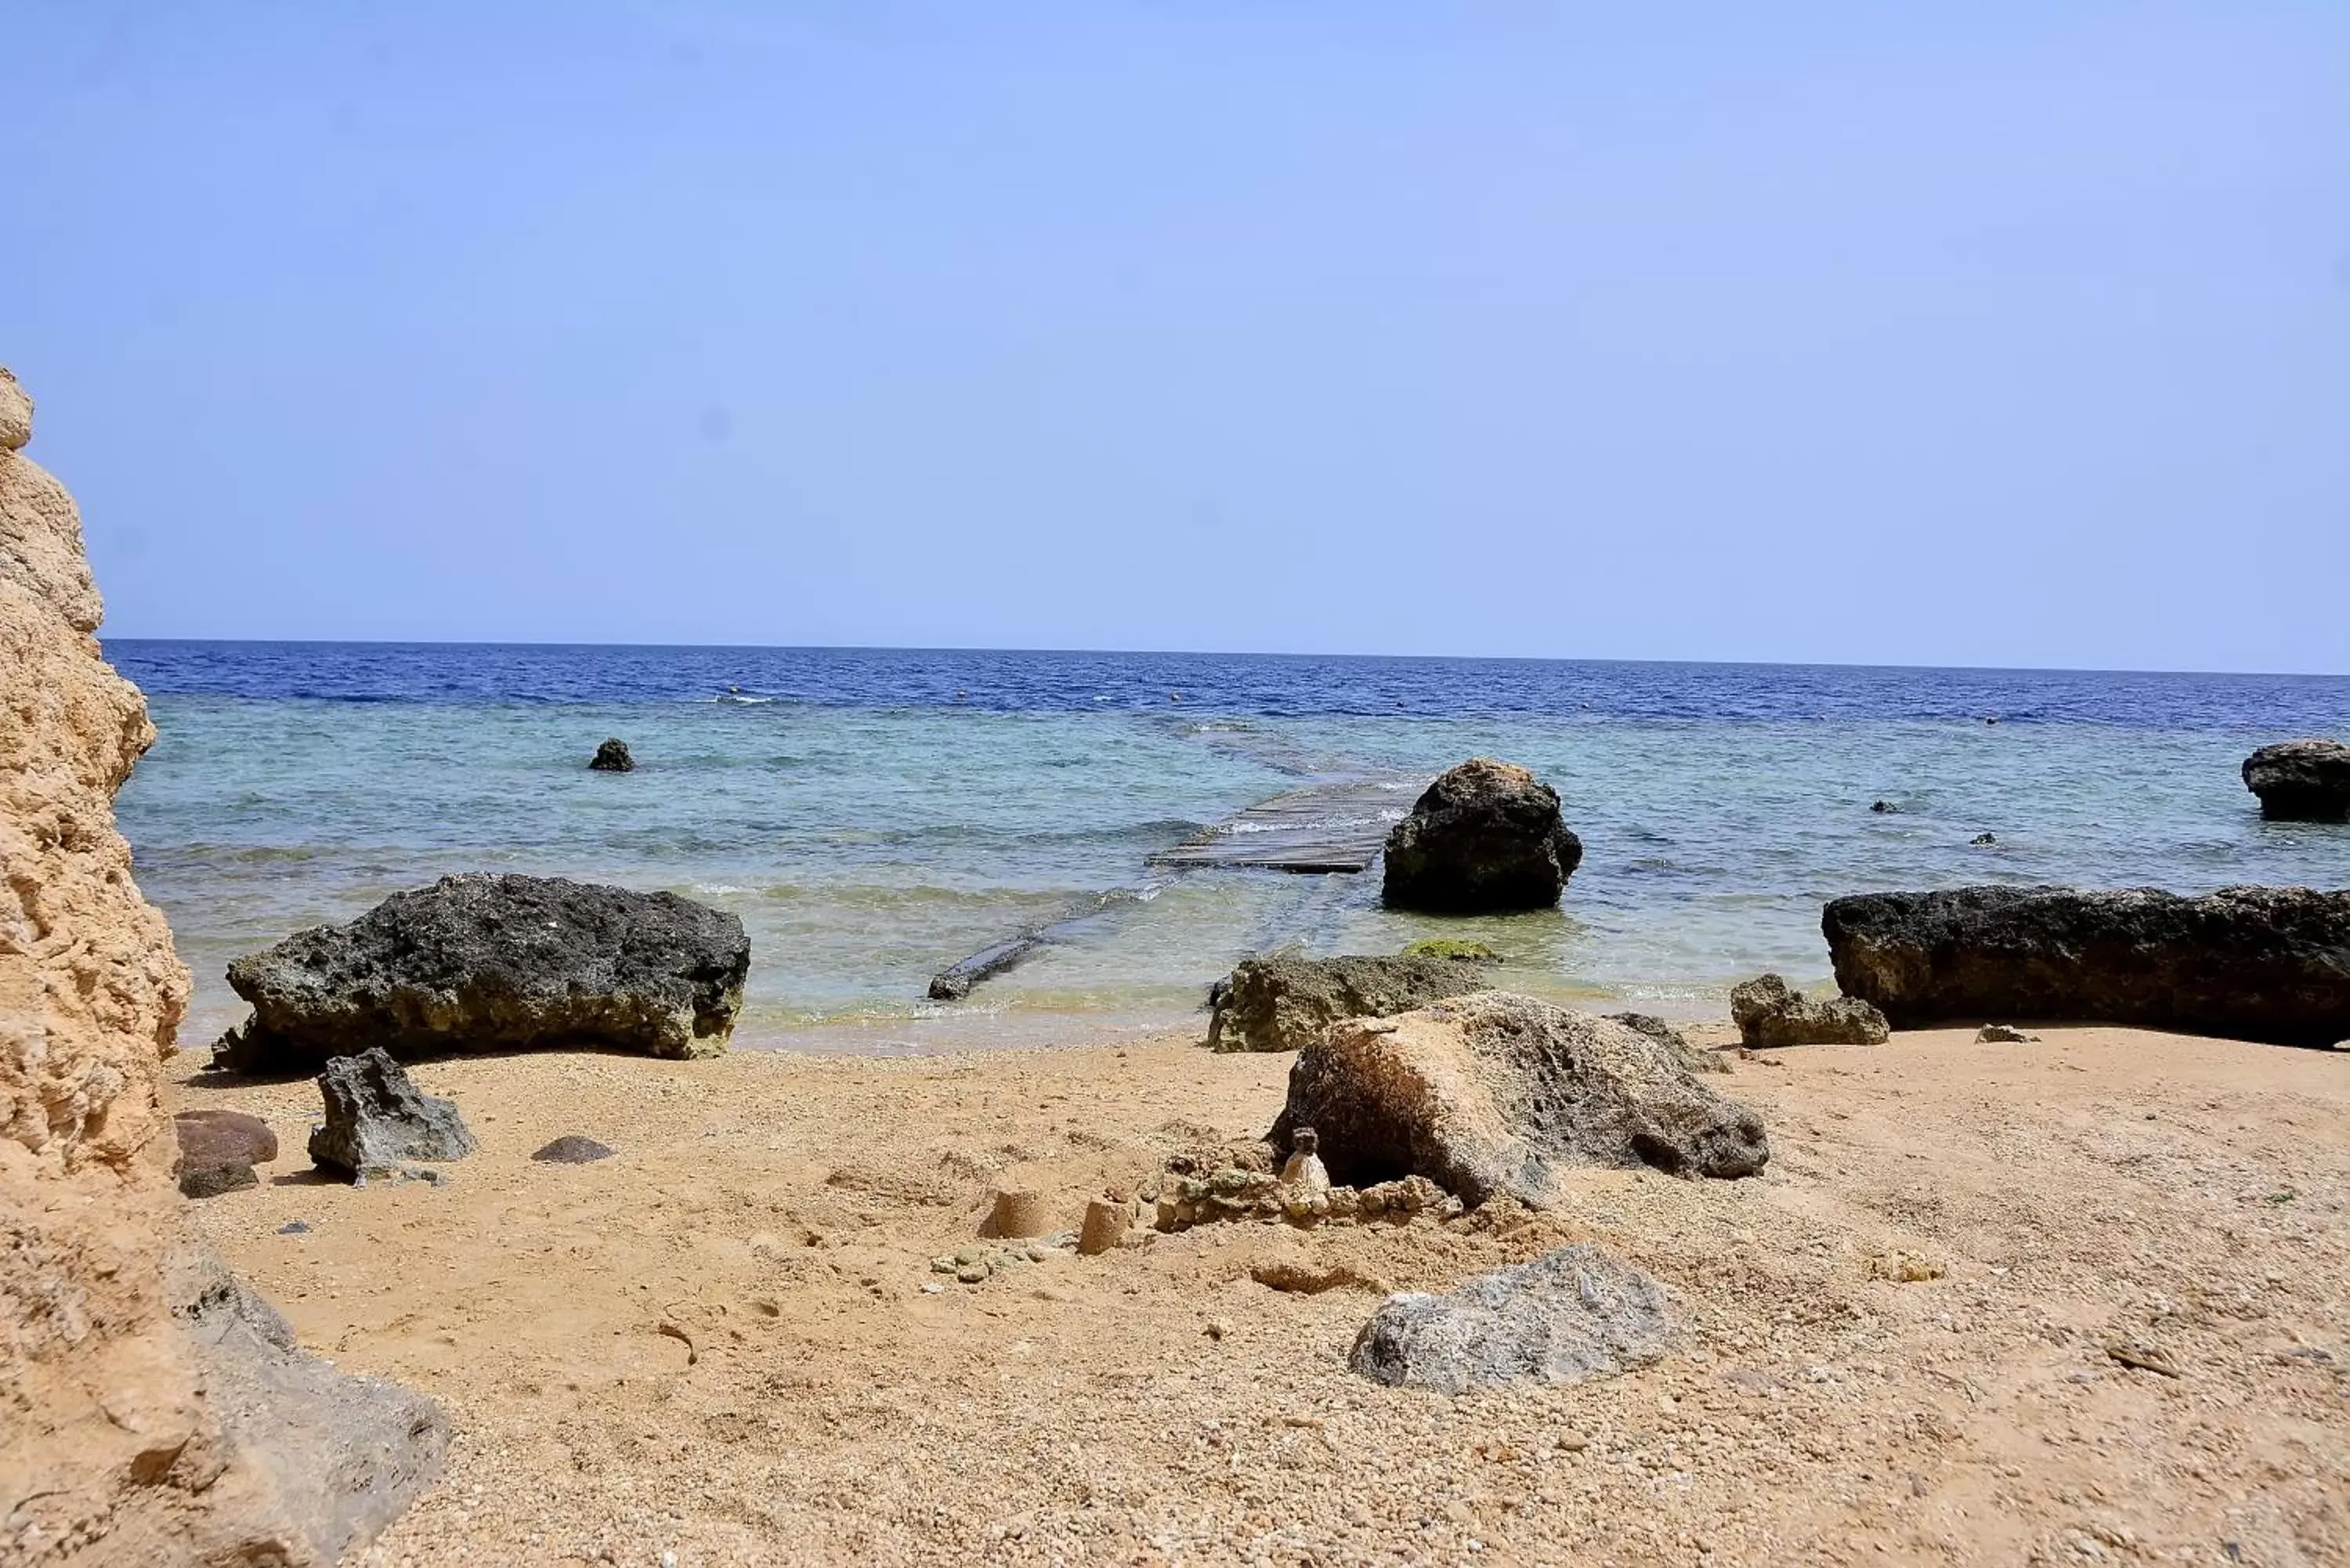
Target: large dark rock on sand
x=325 y=1459
x=376 y=1119
x=2251 y=963
x=495 y=963
x=612 y=757
x=1484 y=838
x=1487 y=1093
x=1568 y=1316
x=1770 y=1012
x=2301 y=781
x=1280 y=1002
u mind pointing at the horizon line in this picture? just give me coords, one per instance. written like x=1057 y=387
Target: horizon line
x=1214 y=653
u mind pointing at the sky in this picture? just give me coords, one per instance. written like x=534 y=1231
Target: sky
x=1969 y=333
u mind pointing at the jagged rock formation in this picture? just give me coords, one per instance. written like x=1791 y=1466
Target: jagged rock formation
x=1485 y=837
x=1672 y=1039
x=1280 y=1002
x=1770 y=1012
x=1487 y=1093
x=2301 y=781
x=113 y=1447
x=495 y=963
x=612 y=757
x=2249 y=963
x=377 y=1120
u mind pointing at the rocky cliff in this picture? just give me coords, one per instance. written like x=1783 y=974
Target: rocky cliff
x=116 y=1441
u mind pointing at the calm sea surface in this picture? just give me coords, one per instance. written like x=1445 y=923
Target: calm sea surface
x=876 y=815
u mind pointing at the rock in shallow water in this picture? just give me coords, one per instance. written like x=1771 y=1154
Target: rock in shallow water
x=612 y=757
x=376 y=1119
x=1482 y=1094
x=2301 y=781
x=1770 y=1012
x=1486 y=837
x=491 y=963
x=2250 y=963
x=1569 y=1316
x=1278 y=1004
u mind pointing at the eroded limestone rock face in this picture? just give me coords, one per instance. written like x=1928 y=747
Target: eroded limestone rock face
x=112 y=1448
x=1490 y=1093
x=1280 y=1001
x=1770 y=1012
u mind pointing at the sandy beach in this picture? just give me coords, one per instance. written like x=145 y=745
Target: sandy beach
x=728 y=1345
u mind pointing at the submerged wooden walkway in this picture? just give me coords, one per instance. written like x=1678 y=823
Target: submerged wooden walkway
x=1333 y=828
x=1320 y=828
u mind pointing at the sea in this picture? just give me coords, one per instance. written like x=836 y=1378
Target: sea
x=876 y=815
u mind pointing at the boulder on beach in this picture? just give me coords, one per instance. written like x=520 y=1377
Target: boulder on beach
x=218 y=1149
x=1486 y=837
x=341 y=1456
x=1569 y=1316
x=2301 y=781
x=376 y=1119
x=1279 y=1003
x=2250 y=963
x=495 y=963
x=1769 y=1012
x=1486 y=1093
x=612 y=757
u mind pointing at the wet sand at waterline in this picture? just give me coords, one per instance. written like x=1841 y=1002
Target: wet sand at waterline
x=727 y=1343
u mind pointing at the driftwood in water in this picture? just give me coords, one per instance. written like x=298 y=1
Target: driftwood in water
x=955 y=981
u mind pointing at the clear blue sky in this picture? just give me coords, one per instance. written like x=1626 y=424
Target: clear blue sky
x=1960 y=333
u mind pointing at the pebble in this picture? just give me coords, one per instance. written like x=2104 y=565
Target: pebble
x=295 y=1228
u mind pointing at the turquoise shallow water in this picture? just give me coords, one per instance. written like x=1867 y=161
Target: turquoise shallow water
x=867 y=845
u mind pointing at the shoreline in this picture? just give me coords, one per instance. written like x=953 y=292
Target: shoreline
x=828 y=1398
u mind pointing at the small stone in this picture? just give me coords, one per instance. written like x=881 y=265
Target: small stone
x=1984 y=840
x=211 y=1180
x=295 y=1228
x=2004 y=1034
x=971 y=1274
x=612 y=757
x=571 y=1149
x=943 y=1264
x=933 y=1288
x=1217 y=1328
x=376 y=1118
x=223 y=1137
x=1884 y=808
x=1037 y=1253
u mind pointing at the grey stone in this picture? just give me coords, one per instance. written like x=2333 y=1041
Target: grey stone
x=495 y=963
x=343 y=1456
x=1569 y=1316
x=1487 y=1093
x=2247 y=963
x=2004 y=1034
x=1486 y=837
x=2301 y=781
x=1279 y=1003
x=376 y=1119
x=1672 y=1039
x=1770 y=1012
x=572 y=1149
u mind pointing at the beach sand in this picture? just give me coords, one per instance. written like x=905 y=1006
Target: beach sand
x=826 y=1398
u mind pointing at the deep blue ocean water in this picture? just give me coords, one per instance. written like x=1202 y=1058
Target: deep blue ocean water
x=874 y=814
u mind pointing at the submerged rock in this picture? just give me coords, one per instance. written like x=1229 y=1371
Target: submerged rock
x=2252 y=963
x=376 y=1119
x=1481 y=1093
x=1569 y=1316
x=2301 y=781
x=612 y=757
x=491 y=963
x=1770 y=1012
x=1485 y=837
x=1278 y=1004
